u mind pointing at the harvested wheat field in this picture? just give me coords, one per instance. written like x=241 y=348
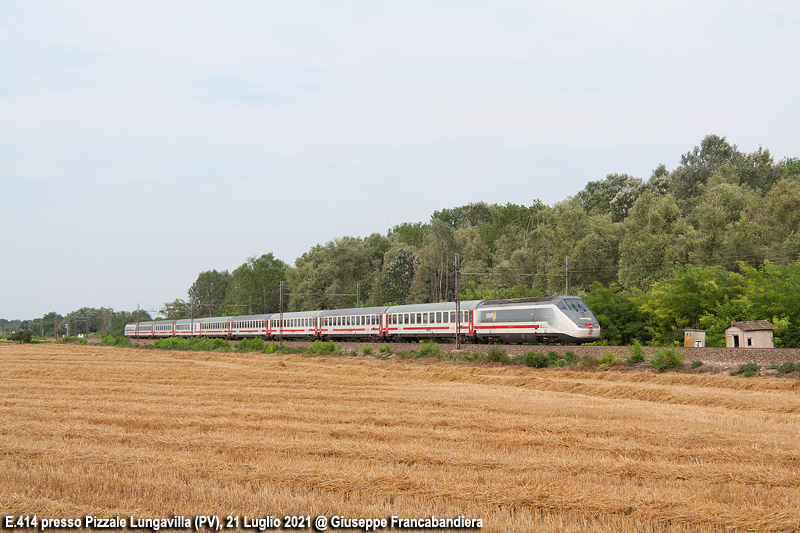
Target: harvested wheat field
x=112 y=432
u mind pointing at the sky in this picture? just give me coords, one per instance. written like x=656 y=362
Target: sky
x=142 y=143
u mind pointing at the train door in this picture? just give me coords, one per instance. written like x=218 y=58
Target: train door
x=383 y=330
x=471 y=320
x=317 y=327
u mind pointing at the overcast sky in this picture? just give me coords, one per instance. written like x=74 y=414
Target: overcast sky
x=144 y=142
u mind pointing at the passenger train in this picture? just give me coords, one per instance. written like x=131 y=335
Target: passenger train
x=545 y=319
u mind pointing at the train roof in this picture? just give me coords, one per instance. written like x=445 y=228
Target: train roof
x=355 y=311
x=439 y=306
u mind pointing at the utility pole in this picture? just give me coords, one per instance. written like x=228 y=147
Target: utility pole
x=458 y=300
x=280 y=324
x=567 y=276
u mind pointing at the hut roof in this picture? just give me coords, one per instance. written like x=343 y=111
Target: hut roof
x=752 y=325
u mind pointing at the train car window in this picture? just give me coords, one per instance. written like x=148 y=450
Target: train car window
x=438 y=318
x=424 y=318
x=419 y=318
x=431 y=318
x=445 y=316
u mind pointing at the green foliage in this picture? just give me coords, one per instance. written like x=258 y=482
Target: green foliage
x=636 y=354
x=534 y=360
x=250 y=345
x=200 y=344
x=319 y=347
x=697 y=364
x=619 y=313
x=589 y=361
x=208 y=292
x=24 y=336
x=256 y=283
x=72 y=340
x=496 y=354
x=667 y=359
x=271 y=348
x=747 y=370
x=367 y=350
x=608 y=358
x=429 y=349
x=119 y=341
x=788 y=367
x=384 y=349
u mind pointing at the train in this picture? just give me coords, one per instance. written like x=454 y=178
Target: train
x=543 y=319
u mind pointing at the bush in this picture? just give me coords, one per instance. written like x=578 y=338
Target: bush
x=367 y=350
x=429 y=349
x=24 y=336
x=497 y=355
x=121 y=342
x=697 y=364
x=787 y=367
x=747 y=370
x=608 y=358
x=198 y=344
x=384 y=349
x=250 y=345
x=667 y=359
x=569 y=357
x=534 y=360
x=590 y=362
x=322 y=348
x=636 y=354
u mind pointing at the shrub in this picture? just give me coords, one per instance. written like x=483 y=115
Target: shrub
x=497 y=355
x=199 y=344
x=787 y=367
x=384 y=349
x=569 y=357
x=697 y=364
x=322 y=348
x=590 y=362
x=270 y=348
x=608 y=358
x=429 y=349
x=534 y=360
x=24 y=336
x=367 y=350
x=636 y=354
x=250 y=345
x=667 y=359
x=747 y=370
x=110 y=340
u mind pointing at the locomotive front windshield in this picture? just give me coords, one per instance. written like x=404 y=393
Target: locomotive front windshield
x=577 y=311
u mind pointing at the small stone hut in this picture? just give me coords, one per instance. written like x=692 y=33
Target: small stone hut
x=694 y=338
x=752 y=334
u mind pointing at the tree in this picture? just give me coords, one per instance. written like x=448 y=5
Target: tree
x=723 y=216
x=208 y=292
x=177 y=309
x=254 y=287
x=772 y=292
x=619 y=314
x=656 y=238
x=433 y=279
x=615 y=195
x=697 y=166
x=695 y=296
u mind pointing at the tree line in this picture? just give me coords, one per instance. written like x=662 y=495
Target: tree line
x=714 y=240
